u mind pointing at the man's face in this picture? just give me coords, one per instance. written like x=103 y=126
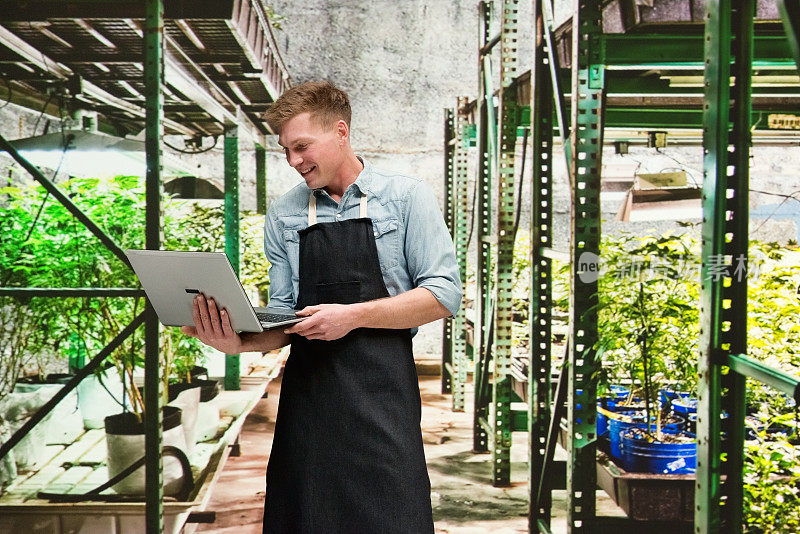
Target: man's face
x=315 y=152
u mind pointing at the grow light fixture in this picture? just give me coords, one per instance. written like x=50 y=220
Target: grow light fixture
x=93 y=155
x=661 y=196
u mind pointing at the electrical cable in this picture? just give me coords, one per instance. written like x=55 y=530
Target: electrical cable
x=201 y=151
x=472 y=219
x=41 y=114
x=36 y=218
x=521 y=181
x=784 y=201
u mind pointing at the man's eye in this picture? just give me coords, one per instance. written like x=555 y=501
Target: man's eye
x=300 y=147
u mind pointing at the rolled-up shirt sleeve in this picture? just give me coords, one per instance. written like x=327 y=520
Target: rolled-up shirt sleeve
x=430 y=254
x=280 y=272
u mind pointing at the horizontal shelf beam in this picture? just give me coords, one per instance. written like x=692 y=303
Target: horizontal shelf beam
x=775 y=378
x=680 y=50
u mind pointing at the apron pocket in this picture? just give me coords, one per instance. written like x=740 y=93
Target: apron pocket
x=339 y=292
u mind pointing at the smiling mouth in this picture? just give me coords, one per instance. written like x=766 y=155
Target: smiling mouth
x=306 y=173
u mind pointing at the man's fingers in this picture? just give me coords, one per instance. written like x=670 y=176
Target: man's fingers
x=204 y=318
x=213 y=313
x=308 y=310
x=198 y=322
x=303 y=326
x=227 y=329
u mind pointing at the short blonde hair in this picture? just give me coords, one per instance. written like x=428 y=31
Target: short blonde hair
x=326 y=103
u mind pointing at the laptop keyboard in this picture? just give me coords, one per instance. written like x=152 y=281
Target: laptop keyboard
x=274 y=317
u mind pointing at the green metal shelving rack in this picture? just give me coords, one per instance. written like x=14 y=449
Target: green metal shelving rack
x=153 y=373
x=455 y=358
x=728 y=47
x=153 y=67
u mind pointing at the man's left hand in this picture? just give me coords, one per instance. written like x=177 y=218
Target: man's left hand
x=325 y=321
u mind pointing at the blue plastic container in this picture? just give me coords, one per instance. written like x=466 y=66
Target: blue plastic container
x=616 y=395
x=684 y=406
x=668 y=395
x=620 y=392
x=642 y=456
x=617 y=427
x=610 y=405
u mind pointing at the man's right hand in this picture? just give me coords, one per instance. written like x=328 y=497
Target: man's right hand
x=213 y=326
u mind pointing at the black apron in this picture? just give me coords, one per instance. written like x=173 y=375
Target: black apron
x=347 y=455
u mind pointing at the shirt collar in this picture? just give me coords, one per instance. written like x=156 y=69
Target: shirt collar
x=364 y=178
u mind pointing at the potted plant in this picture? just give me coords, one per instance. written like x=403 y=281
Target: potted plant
x=647 y=310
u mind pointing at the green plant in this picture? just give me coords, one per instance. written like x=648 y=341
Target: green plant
x=55 y=250
x=202 y=228
x=771 y=487
x=648 y=312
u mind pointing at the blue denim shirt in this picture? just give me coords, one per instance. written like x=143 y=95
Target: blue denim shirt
x=414 y=245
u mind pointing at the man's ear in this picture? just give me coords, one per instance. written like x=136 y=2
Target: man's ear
x=342 y=130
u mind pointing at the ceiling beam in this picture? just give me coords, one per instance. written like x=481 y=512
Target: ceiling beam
x=62 y=72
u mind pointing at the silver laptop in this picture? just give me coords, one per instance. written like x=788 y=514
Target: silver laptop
x=171 y=279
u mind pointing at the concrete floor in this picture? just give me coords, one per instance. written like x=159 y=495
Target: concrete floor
x=464 y=501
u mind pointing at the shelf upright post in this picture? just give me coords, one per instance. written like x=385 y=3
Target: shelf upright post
x=586 y=135
x=540 y=314
x=508 y=116
x=231 y=155
x=482 y=225
x=449 y=218
x=724 y=271
x=154 y=114
x=460 y=215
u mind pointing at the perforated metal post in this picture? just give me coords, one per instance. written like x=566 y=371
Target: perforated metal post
x=154 y=113
x=583 y=366
x=482 y=225
x=729 y=35
x=539 y=366
x=231 y=154
x=509 y=116
x=460 y=207
x=449 y=198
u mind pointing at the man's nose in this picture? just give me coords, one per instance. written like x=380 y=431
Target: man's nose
x=295 y=160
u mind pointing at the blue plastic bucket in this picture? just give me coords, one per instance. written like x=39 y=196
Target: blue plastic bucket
x=606 y=409
x=684 y=405
x=641 y=456
x=668 y=395
x=620 y=392
x=616 y=427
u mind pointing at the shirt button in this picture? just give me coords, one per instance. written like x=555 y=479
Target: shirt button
x=375 y=233
x=338 y=214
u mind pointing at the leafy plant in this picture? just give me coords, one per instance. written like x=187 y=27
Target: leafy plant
x=648 y=312
x=43 y=245
x=771 y=487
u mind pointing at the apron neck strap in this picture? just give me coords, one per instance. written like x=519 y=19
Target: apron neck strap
x=312 y=208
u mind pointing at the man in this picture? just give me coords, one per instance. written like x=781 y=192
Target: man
x=366 y=257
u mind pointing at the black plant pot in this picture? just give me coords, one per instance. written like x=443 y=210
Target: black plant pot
x=127 y=424
x=198 y=372
x=208 y=388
